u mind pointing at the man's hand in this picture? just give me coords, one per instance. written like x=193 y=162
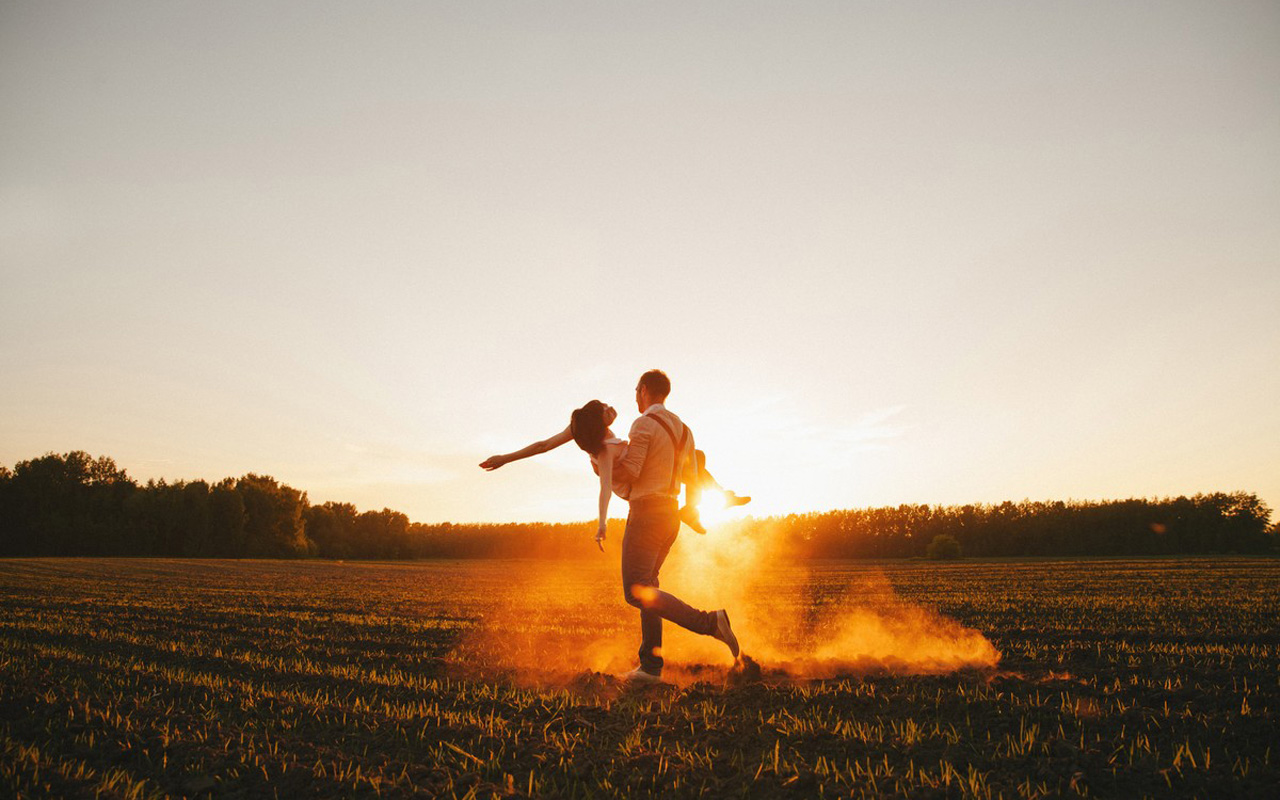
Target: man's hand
x=600 y=533
x=492 y=462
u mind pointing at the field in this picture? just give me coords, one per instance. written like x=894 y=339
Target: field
x=140 y=678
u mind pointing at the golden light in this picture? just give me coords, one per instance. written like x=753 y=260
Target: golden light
x=714 y=507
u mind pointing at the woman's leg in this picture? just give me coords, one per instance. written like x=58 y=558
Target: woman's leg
x=707 y=481
x=693 y=491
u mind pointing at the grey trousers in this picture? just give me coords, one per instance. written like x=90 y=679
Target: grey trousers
x=652 y=526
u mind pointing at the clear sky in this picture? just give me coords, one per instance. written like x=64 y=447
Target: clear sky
x=888 y=252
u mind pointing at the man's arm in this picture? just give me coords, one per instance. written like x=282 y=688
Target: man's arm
x=493 y=462
x=641 y=433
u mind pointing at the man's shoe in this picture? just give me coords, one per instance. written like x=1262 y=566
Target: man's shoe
x=689 y=516
x=731 y=499
x=724 y=632
x=638 y=675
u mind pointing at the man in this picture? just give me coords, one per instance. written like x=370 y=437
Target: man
x=659 y=458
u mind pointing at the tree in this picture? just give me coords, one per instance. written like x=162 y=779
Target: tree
x=943 y=547
x=70 y=504
x=227 y=515
x=272 y=518
x=331 y=529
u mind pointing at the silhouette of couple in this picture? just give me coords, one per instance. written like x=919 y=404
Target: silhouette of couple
x=647 y=472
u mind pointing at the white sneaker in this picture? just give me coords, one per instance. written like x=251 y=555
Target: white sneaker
x=638 y=675
x=725 y=633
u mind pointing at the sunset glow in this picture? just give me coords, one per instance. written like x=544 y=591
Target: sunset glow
x=1041 y=263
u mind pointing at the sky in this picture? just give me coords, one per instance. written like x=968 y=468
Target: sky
x=887 y=252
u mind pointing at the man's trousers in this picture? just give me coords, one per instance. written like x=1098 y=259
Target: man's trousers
x=652 y=526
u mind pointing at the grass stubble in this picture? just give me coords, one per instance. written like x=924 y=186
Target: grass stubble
x=143 y=678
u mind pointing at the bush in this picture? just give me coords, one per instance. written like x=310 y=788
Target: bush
x=943 y=547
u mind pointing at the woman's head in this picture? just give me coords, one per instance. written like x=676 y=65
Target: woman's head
x=589 y=425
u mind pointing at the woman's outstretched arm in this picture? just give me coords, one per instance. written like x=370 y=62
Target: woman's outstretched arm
x=493 y=462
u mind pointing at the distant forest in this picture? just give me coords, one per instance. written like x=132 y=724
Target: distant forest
x=78 y=505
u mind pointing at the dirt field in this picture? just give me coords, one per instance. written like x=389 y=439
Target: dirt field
x=139 y=678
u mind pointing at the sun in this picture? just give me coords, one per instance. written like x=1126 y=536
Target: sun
x=714 y=508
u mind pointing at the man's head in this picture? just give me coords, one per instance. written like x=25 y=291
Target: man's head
x=653 y=387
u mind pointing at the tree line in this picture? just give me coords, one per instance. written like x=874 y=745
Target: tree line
x=78 y=505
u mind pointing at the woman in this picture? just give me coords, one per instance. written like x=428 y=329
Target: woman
x=589 y=427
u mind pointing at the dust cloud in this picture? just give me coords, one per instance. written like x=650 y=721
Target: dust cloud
x=794 y=621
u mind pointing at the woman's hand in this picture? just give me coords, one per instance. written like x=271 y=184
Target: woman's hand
x=493 y=462
x=600 y=533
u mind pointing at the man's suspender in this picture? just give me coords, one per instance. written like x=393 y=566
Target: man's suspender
x=677 y=461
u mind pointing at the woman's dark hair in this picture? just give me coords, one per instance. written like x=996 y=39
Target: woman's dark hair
x=587 y=426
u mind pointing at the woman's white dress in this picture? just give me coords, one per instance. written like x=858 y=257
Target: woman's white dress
x=620 y=488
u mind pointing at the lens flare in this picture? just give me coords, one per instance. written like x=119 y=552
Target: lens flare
x=647 y=595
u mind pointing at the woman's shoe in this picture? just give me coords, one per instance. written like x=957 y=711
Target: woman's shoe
x=689 y=516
